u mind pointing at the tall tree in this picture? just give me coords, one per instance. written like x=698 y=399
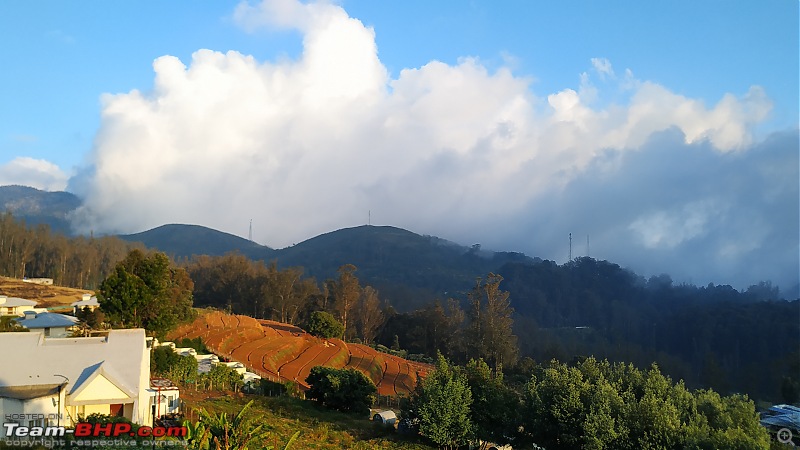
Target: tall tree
x=369 y=315
x=440 y=407
x=489 y=334
x=346 y=291
x=495 y=406
x=146 y=291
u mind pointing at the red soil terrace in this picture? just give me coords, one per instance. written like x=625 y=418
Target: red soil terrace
x=283 y=352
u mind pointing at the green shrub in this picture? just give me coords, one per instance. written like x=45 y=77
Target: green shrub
x=345 y=390
x=324 y=325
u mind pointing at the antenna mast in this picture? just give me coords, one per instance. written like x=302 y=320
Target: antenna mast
x=369 y=217
x=250 y=234
x=587 y=245
x=570 y=247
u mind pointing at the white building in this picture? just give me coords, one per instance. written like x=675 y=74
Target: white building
x=15 y=306
x=65 y=379
x=165 y=398
x=87 y=301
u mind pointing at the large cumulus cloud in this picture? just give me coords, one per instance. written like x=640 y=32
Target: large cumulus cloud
x=662 y=182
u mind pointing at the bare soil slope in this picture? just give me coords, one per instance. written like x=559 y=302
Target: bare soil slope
x=283 y=352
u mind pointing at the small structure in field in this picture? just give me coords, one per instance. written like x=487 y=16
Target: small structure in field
x=88 y=301
x=387 y=417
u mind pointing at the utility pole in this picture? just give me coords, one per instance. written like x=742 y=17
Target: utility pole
x=60 y=389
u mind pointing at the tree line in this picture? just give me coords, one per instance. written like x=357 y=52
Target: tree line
x=33 y=252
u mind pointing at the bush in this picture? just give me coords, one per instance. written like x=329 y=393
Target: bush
x=324 y=325
x=345 y=390
x=166 y=363
x=196 y=343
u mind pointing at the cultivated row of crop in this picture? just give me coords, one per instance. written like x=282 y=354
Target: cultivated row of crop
x=284 y=352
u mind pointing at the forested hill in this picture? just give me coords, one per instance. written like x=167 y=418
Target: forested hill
x=37 y=207
x=185 y=241
x=709 y=336
x=407 y=268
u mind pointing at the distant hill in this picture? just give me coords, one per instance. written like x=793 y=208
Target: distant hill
x=407 y=268
x=39 y=207
x=187 y=240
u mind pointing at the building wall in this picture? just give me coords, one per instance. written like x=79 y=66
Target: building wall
x=99 y=388
x=41 y=406
x=142 y=413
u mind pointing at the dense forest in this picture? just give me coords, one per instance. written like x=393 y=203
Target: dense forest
x=709 y=336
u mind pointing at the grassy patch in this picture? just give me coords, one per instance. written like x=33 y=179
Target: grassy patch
x=319 y=428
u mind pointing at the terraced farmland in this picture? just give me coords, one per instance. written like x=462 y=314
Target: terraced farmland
x=283 y=352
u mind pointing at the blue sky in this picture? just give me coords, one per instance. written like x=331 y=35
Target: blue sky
x=61 y=56
x=529 y=102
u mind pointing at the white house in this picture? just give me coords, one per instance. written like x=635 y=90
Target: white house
x=15 y=306
x=64 y=379
x=87 y=301
x=165 y=398
x=51 y=324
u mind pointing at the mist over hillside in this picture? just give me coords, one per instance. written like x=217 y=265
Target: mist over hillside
x=382 y=253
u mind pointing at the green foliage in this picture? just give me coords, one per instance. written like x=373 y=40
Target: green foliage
x=91 y=319
x=710 y=336
x=196 y=343
x=495 y=406
x=346 y=390
x=165 y=362
x=489 y=333
x=324 y=325
x=345 y=292
x=146 y=291
x=235 y=283
x=320 y=428
x=226 y=431
x=8 y=323
x=272 y=388
x=596 y=405
x=440 y=408
x=221 y=377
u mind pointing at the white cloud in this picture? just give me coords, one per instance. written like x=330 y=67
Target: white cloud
x=36 y=173
x=603 y=67
x=309 y=145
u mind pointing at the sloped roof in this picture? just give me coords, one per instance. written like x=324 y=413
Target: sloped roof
x=81 y=303
x=120 y=357
x=782 y=416
x=11 y=302
x=47 y=320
